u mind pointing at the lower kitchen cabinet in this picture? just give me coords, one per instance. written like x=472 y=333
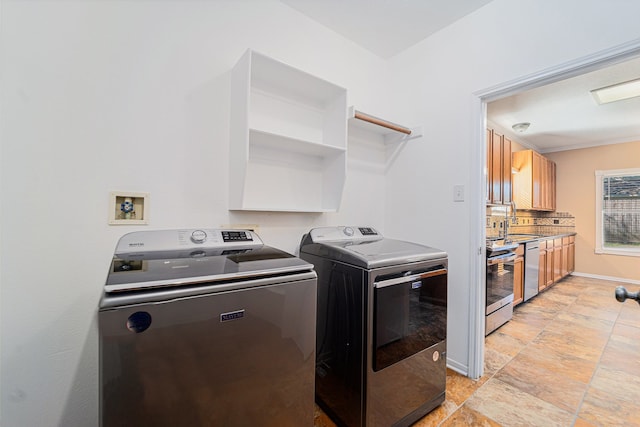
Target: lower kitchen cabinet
x=518 y=276
x=557 y=260
x=548 y=274
x=565 y=256
x=571 y=263
x=542 y=266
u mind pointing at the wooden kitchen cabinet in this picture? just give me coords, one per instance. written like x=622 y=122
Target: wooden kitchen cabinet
x=499 y=181
x=534 y=182
x=542 y=266
x=518 y=276
x=565 y=257
x=550 y=187
x=506 y=171
x=489 y=182
x=571 y=257
x=557 y=259
x=548 y=274
x=496 y=165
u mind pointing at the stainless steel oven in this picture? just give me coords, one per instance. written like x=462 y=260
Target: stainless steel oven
x=499 y=287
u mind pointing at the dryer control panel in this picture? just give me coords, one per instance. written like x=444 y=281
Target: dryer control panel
x=344 y=234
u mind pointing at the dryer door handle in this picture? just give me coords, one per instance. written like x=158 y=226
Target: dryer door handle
x=405 y=279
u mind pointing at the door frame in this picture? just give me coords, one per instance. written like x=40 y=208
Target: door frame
x=477 y=206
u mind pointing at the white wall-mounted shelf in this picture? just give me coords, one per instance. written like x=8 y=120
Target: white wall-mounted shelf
x=288 y=138
x=387 y=137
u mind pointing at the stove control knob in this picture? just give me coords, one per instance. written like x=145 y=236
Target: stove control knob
x=198 y=236
x=348 y=231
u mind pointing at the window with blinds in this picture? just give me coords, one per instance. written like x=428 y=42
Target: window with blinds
x=618 y=212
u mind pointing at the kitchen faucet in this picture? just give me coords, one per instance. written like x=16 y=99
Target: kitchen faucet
x=514 y=219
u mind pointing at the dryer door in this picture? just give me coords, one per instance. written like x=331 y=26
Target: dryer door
x=410 y=314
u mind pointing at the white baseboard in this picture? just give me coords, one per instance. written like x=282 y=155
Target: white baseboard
x=613 y=279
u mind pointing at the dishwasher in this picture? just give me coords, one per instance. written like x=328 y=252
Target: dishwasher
x=531 y=264
x=206 y=328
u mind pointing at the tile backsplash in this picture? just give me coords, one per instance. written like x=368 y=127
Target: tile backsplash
x=528 y=222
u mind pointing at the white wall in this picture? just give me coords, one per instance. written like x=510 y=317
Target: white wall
x=100 y=96
x=436 y=80
x=133 y=95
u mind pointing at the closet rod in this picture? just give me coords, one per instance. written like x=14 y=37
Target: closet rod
x=380 y=122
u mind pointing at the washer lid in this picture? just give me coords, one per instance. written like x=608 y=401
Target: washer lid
x=366 y=251
x=153 y=259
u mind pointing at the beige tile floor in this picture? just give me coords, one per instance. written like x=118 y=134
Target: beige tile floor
x=569 y=357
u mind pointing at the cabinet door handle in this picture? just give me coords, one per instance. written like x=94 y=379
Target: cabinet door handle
x=501 y=258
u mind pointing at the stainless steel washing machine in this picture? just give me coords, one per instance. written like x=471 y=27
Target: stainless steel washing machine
x=381 y=326
x=206 y=328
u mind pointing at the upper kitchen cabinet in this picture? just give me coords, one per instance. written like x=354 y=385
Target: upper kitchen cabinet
x=534 y=182
x=498 y=168
x=288 y=138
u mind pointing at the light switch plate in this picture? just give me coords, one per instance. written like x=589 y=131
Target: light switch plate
x=458 y=193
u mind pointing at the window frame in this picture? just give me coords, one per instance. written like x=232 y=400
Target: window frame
x=599 y=219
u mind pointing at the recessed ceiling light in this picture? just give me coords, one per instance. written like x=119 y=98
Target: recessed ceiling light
x=521 y=127
x=617 y=92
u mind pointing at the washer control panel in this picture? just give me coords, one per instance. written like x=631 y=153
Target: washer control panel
x=344 y=233
x=368 y=231
x=200 y=238
x=236 y=236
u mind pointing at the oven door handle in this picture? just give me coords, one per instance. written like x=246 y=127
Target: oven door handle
x=502 y=258
x=405 y=279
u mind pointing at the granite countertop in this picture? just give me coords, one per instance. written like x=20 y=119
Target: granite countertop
x=523 y=238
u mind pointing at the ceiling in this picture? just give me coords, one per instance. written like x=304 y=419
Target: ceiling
x=385 y=27
x=563 y=115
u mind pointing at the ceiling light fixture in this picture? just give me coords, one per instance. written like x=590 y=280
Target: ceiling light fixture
x=617 y=92
x=521 y=127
